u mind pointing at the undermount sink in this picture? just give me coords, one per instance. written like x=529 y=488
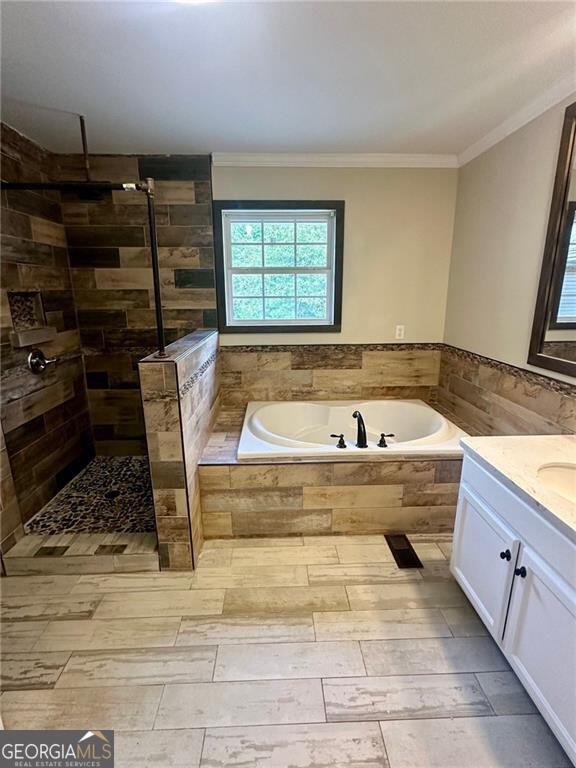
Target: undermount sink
x=560 y=478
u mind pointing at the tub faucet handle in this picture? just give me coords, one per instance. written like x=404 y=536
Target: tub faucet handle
x=341 y=442
x=382 y=442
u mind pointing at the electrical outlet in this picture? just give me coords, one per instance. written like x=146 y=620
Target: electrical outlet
x=400 y=331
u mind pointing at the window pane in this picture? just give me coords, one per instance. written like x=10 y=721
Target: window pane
x=311 y=309
x=312 y=232
x=281 y=232
x=247 y=309
x=279 y=255
x=247 y=285
x=246 y=256
x=279 y=309
x=311 y=285
x=246 y=232
x=311 y=255
x=279 y=285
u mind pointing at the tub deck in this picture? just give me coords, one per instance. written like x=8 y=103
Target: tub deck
x=315 y=496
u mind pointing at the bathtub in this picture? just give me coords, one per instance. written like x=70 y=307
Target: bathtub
x=302 y=430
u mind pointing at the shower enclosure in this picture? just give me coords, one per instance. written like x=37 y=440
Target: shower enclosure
x=81 y=284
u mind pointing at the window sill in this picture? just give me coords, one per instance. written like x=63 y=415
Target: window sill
x=280 y=328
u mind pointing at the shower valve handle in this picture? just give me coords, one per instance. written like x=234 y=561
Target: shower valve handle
x=341 y=442
x=37 y=362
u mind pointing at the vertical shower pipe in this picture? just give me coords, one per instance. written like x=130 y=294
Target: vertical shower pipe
x=85 y=146
x=149 y=189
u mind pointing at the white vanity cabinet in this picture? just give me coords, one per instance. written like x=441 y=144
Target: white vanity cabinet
x=519 y=572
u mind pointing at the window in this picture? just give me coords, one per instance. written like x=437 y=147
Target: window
x=279 y=265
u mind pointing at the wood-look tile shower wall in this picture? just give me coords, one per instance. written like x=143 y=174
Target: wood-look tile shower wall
x=44 y=418
x=110 y=264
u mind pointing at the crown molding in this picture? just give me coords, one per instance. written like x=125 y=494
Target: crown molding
x=561 y=90
x=335 y=160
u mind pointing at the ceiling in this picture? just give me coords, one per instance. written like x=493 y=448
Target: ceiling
x=286 y=77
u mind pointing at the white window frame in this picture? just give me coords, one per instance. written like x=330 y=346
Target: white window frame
x=230 y=216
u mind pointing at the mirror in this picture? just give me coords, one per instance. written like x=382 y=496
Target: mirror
x=553 y=341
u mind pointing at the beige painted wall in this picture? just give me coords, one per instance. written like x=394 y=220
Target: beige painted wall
x=398 y=237
x=500 y=227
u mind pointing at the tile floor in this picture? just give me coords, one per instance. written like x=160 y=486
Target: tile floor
x=289 y=653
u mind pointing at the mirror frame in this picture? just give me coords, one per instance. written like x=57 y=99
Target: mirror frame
x=552 y=251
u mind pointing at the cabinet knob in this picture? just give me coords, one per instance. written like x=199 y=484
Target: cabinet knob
x=506 y=555
x=520 y=572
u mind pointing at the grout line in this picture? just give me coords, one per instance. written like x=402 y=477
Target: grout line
x=160 y=699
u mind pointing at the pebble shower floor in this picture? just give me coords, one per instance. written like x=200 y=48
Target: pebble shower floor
x=112 y=495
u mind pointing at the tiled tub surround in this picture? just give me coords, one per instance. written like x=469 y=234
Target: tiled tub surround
x=493 y=398
x=314 y=498
x=44 y=418
x=411 y=494
x=329 y=372
x=488 y=396
x=180 y=399
x=112 y=278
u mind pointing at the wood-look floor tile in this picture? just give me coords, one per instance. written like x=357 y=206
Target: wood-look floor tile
x=369 y=553
x=404 y=697
x=506 y=693
x=273 y=661
x=272 y=576
x=432 y=656
x=20 y=635
x=120 y=709
x=30 y=566
x=207 y=602
x=27 y=607
x=422 y=594
x=37 y=585
x=320 y=745
x=521 y=741
x=361 y=573
x=114 y=633
x=284 y=600
x=159 y=749
x=27 y=546
x=446 y=549
x=251 y=543
x=131 y=582
x=149 y=666
x=246 y=629
x=215 y=558
x=464 y=621
x=359 y=540
x=380 y=625
x=284 y=556
x=436 y=570
x=428 y=551
x=262 y=702
x=21 y=671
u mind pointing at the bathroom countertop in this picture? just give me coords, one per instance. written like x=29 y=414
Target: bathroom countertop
x=515 y=460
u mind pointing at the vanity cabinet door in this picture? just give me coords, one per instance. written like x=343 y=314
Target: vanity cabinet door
x=484 y=554
x=540 y=643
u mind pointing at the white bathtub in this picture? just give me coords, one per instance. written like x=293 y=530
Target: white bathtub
x=302 y=430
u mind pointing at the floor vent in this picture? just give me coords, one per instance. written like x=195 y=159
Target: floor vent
x=403 y=551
